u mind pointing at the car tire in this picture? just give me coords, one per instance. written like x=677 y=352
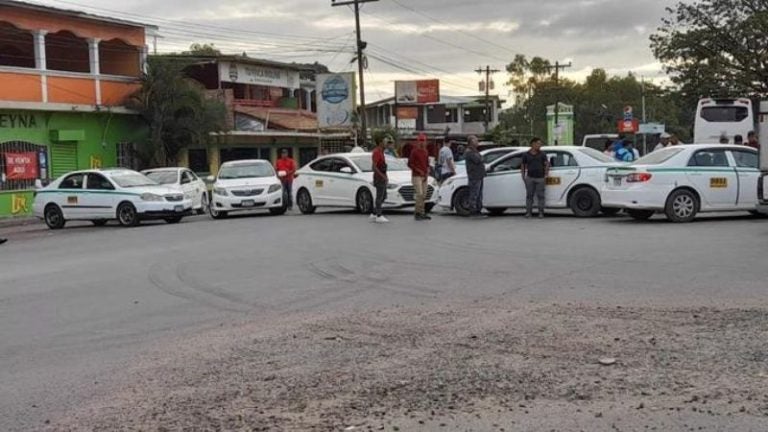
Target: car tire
x=610 y=211
x=641 y=215
x=173 y=220
x=217 y=214
x=278 y=211
x=127 y=215
x=585 y=202
x=99 y=222
x=497 y=211
x=461 y=202
x=682 y=206
x=204 y=204
x=304 y=201
x=364 y=201
x=53 y=216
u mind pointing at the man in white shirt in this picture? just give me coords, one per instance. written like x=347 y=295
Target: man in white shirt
x=663 y=142
x=446 y=163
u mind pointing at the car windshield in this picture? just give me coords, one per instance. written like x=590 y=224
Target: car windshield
x=129 y=179
x=241 y=171
x=164 y=177
x=596 y=155
x=659 y=156
x=366 y=164
x=492 y=156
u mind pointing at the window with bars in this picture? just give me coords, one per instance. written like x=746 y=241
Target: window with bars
x=126 y=156
x=38 y=166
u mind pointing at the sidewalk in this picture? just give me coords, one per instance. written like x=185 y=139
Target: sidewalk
x=11 y=225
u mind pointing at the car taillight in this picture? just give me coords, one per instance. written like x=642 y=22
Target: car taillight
x=639 y=177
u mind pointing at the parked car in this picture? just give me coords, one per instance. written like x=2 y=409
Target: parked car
x=346 y=180
x=246 y=185
x=683 y=181
x=488 y=156
x=186 y=181
x=576 y=176
x=102 y=195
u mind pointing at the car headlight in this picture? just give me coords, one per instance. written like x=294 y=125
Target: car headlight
x=274 y=188
x=392 y=186
x=151 y=197
x=220 y=191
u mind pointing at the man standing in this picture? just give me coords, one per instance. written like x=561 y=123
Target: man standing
x=286 y=170
x=419 y=164
x=752 y=140
x=475 y=176
x=663 y=141
x=535 y=169
x=445 y=163
x=380 y=180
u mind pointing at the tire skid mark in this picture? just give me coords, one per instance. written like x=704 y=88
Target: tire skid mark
x=177 y=288
x=184 y=275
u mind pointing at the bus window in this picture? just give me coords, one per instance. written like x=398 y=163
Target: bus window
x=722 y=118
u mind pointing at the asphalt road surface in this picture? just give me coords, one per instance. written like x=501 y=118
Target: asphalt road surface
x=81 y=306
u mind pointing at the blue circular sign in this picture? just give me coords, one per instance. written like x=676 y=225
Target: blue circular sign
x=335 y=90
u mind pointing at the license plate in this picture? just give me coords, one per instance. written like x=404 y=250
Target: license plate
x=248 y=203
x=178 y=209
x=617 y=181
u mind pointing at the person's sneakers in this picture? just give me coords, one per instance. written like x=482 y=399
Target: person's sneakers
x=372 y=217
x=381 y=220
x=421 y=217
x=528 y=215
x=541 y=215
x=2 y=241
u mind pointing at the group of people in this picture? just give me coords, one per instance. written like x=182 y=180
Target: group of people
x=625 y=151
x=752 y=140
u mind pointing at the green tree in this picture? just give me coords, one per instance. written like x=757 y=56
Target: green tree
x=176 y=110
x=203 y=50
x=715 y=47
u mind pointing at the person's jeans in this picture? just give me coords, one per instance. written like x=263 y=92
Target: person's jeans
x=476 y=196
x=288 y=194
x=535 y=187
x=381 y=196
x=420 y=194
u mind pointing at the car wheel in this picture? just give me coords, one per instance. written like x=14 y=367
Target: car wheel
x=126 y=215
x=364 y=201
x=497 y=211
x=278 y=211
x=682 y=206
x=640 y=214
x=54 y=218
x=217 y=214
x=204 y=204
x=610 y=211
x=461 y=202
x=99 y=222
x=173 y=220
x=304 y=201
x=585 y=202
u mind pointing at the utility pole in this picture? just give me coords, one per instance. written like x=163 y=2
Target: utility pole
x=488 y=72
x=557 y=68
x=360 y=61
x=645 y=137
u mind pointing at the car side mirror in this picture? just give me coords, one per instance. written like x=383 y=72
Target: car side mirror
x=38 y=184
x=210 y=179
x=347 y=170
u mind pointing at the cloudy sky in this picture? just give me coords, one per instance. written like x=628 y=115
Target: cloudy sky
x=410 y=39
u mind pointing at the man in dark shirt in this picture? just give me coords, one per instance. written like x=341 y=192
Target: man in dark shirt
x=380 y=180
x=475 y=176
x=752 y=140
x=535 y=169
x=419 y=164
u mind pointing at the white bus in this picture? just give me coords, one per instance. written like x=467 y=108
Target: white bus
x=717 y=118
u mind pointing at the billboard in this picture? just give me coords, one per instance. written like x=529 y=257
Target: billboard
x=417 y=92
x=336 y=102
x=258 y=75
x=21 y=166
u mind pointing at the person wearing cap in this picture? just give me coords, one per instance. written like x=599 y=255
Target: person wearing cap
x=663 y=141
x=286 y=170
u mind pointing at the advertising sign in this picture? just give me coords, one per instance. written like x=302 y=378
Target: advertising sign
x=417 y=92
x=258 y=75
x=407 y=113
x=336 y=102
x=21 y=166
x=629 y=126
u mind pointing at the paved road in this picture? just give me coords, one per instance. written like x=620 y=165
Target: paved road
x=78 y=304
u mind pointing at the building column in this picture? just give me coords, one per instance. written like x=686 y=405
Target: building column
x=93 y=55
x=308 y=100
x=144 y=55
x=41 y=63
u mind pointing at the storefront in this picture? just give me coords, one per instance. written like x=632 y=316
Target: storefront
x=46 y=144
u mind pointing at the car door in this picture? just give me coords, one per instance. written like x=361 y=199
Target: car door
x=318 y=180
x=563 y=172
x=714 y=178
x=343 y=187
x=99 y=199
x=191 y=187
x=70 y=195
x=504 y=186
x=747 y=168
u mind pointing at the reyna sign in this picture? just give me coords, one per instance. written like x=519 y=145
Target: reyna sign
x=17 y=121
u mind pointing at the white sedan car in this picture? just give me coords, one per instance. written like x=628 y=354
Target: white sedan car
x=185 y=181
x=682 y=181
x=488 y=156
x=246 y=185
x=346 y=180
x=102 y=195
x=575 y=178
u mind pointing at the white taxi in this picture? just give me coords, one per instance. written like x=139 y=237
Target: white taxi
x=185 y=181
x=682 y=181
x=575 y=178
x=246 y=185
x=102 y=195
x=346 y=180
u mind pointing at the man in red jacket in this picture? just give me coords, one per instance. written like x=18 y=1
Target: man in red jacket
x=419 y=164
x=286 y=170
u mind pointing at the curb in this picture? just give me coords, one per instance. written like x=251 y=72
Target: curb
x=18 y=221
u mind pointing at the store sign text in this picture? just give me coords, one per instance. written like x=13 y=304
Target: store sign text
x=18 y=121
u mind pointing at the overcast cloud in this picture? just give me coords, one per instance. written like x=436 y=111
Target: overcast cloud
x=445 y=39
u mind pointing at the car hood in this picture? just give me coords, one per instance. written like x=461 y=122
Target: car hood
x=400 y=177
x=249 y=182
